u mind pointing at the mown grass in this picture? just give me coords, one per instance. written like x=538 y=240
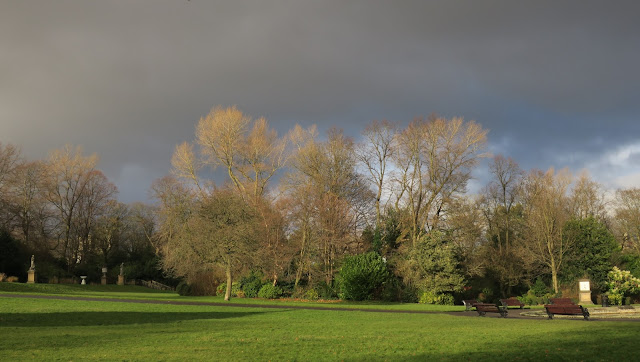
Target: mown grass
x=41 y=329
x=137 y=292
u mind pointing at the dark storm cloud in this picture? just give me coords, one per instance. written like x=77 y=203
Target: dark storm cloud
x=555 y=82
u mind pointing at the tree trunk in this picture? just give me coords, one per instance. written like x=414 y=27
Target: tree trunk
x=227 y=294
x=302 y=256
x=554 y=276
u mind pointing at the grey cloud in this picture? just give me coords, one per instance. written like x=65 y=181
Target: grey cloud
x=555 y=82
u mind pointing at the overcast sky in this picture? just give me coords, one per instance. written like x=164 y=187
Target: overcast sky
x=557 y=83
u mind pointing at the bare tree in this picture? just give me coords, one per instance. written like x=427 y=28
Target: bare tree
x=96 y=200
x=547 y=211
x=68 y=174
x=10 y=160
x=435 y=158
x=274 y=250
x=142 y=226
x=248 y=149
x=627 y=216
x=176 y=205
x=587 y=199
x=326 y=173
x=109 y=228
x=504 y=219
x=375 y=154
x=466 y=226
x=28 y=204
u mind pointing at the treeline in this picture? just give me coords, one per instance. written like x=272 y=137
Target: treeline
x=64 y=211
x=323 y=217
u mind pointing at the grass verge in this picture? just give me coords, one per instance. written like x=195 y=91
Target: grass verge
x=37 y=329
x=142 y=293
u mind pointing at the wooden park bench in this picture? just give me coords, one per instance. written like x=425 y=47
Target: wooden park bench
x=562 y=301
x=469 y=303
x=566 y=309
x=511 y=302
x=483 y=309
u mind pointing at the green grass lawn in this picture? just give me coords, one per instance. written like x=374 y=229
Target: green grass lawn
x=40 y=329
x=138 y=292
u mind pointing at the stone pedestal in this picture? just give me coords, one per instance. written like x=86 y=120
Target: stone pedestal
x=585 y=298
x=31 y=276
x=104 y=280
x=120 y=279
x=585 y=291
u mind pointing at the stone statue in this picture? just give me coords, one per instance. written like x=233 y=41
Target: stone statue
x=33 y=264
x=121 y=268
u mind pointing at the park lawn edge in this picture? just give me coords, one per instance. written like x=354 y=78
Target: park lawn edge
x=142 y=293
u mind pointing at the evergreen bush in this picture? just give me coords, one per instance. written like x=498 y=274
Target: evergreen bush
x=251 y=284
x=362 y=275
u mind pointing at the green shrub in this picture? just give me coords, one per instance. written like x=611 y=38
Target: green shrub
x=362 y=275
x=436 y=298
x=485 y=295
x=311 y=294
x=392 y=290
x=532 y=299
x=251 y=284
x=183 y=288
x=269 y=291
x=539 y=288
x=235 y=289
x=325 y=291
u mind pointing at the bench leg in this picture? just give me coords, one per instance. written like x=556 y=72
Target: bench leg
x=550 y=315
x=503 y=312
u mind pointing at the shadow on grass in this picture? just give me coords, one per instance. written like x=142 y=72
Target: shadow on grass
x=110 y=318
x=605 y=342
